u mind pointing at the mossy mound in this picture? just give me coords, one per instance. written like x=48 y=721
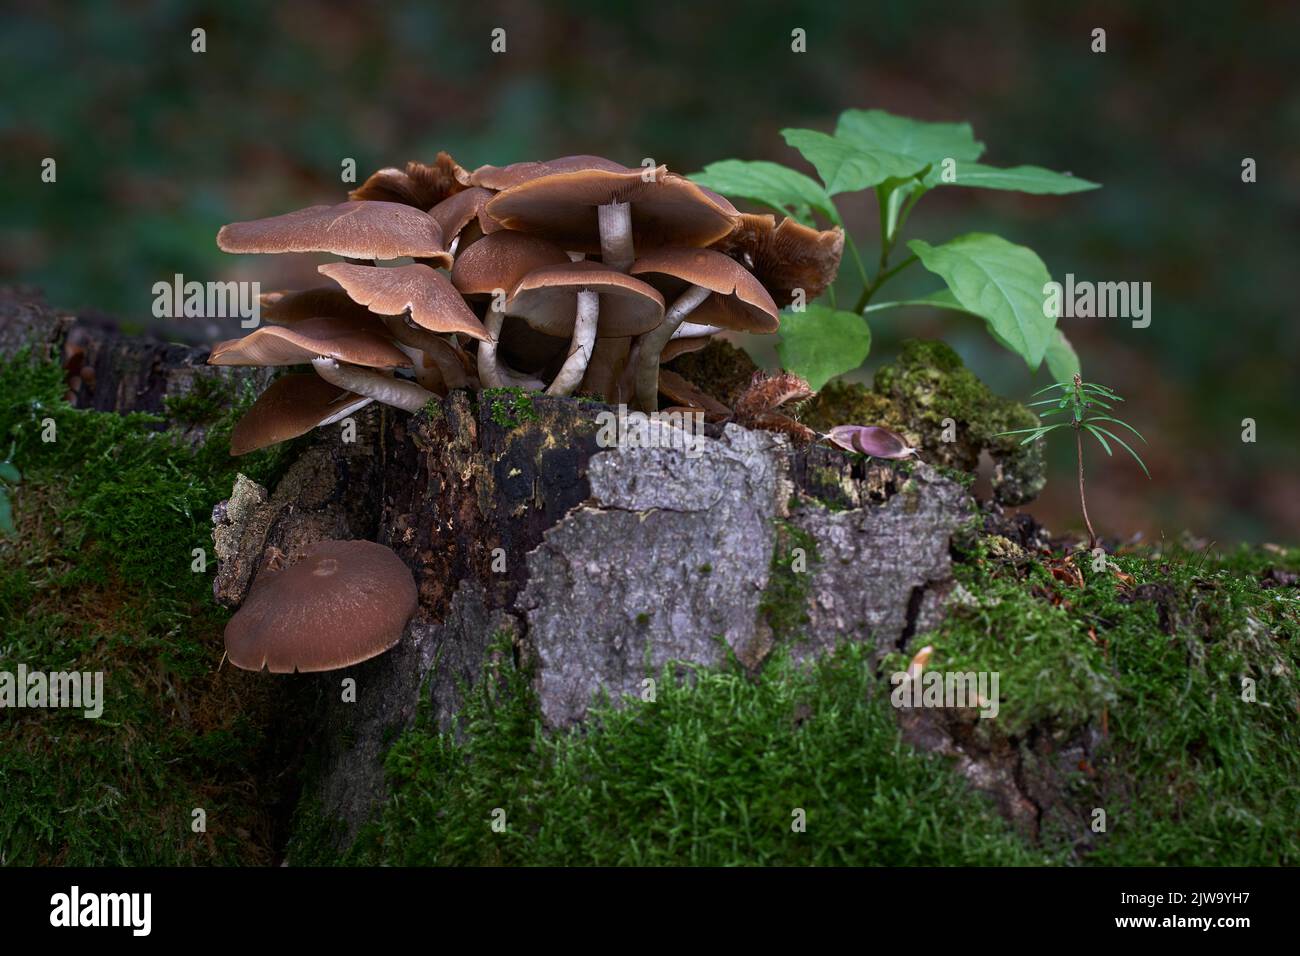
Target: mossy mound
x=941 y=407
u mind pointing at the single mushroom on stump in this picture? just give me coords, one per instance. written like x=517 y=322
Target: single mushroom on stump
x=711 y=288
x=614 y=213
x=343 y=603
x=583 y=300
x=489 y=270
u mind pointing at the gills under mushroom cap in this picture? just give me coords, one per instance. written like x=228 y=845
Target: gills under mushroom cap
x=343 y=603
x=547 y=299
x=293 y=405
x=665 y=210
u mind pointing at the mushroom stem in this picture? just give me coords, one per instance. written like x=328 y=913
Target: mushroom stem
x=694 y=330
x=441 y=352
x=651 y=346
x=580 y=346
x=373 y=384
x=492 y=372
x=615 y=222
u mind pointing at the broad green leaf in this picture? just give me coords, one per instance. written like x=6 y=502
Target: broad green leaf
x=928 y=142
x=6 y=516
x=1025 y=179
x=8 y=472
x=820 y=343
x=785 y=190
x=845 y=167
x=1062 y=360
x=1000 y=282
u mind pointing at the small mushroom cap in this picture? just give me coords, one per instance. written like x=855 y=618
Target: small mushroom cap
x=322 y=302
x=293 y=405
x=500 y=260
x=503 y=177
x=433 y=301
x=786 y=257
x=343 y=603
x=547 y=298
x=355 y=230
x=341 y=339
x=739 y=301
x=418 y=185
x=668 y=210
x=874 y=440
x=456 y=211
x=684 y=346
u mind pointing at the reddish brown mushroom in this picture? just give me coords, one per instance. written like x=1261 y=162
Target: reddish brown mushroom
x=355 y=230
x=343 y=603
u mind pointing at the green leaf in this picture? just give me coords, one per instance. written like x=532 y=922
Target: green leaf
x=786 y=190
x=1097 y=435
x=1062 y=360
x=1107 y=418
x=1000 y=282
x=845 y=167
x=1127 y=447
x=1025 y=179
x=820 y=343
x=6 y=516
x=9 y=473
x=876 y=130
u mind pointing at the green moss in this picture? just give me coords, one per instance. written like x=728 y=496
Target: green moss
x=784 y=604
x=711 y=773
x=1189 y=773
x=209 y=398
x=99 y=578
x=510 y=407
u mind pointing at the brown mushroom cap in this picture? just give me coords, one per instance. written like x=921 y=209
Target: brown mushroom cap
x=293 y=405
x=683 y=346
x=356 y=230
x=456 y=211
x=418 y=185
x=503 y=177
x=785 y=257
x=433 y=301
x=668 y=210
x=684 y=394
x=340 y=339
x=547 y=299
x=322 y=302
x=345 y=602
x=500 y=260
x=739 y=300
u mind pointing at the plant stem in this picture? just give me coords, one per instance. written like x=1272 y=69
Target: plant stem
x=1078 y=444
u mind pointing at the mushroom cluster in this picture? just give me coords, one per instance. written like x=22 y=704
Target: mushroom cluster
x=574 y=275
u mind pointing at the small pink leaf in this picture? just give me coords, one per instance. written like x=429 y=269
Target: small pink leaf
x=874 y=440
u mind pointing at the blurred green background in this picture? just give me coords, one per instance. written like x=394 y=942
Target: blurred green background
x=157 y=146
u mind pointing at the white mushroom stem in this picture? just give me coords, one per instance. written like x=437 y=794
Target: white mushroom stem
x=615 y=222
x=373 y=384
x=580 y=346
x=694 y=330
x=651 y=346
x=492 y=372
x=344 y=411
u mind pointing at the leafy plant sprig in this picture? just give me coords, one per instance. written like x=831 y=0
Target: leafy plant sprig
x=902 y=160
x=1079 y=401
